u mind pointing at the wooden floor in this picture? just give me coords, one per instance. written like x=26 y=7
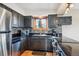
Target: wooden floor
x=36 y=53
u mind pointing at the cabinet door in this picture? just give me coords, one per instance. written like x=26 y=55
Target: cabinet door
x=15 y=22
x=52 y=21
x=43 y=43
x=65 y=20
x=27 y=21
x=49 y=45
x=28 y=43
x=38 y=43
x=23 y=45
x=21 y=21
x=35 y=44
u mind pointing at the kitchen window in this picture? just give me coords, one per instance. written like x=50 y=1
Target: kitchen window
x=40 y=23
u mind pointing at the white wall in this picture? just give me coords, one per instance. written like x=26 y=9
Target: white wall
x=72 y=31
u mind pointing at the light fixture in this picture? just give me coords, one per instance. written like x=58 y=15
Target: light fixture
x=67 y=10
x=70 y=5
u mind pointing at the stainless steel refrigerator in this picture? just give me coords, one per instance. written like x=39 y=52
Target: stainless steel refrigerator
x=5 y=32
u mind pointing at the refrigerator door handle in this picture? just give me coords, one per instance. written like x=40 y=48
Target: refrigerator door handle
x=1 y=32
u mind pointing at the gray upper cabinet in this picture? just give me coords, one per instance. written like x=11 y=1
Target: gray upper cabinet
x=27 y=21
x=52 y=21
x=18 y=20
x=67 y=20
x=21 y=21
x=15 y=19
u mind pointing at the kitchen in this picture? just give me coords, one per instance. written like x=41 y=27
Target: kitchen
x=38 y=34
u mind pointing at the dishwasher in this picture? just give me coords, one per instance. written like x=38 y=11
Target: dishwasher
x=16 y=46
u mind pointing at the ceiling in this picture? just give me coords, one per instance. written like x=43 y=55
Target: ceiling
x=38 y=8
x=34 y=8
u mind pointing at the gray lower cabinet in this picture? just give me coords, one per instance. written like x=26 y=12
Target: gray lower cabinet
x=49 y=45
x=39 y=43
x=28 y=43
x=23 y=45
